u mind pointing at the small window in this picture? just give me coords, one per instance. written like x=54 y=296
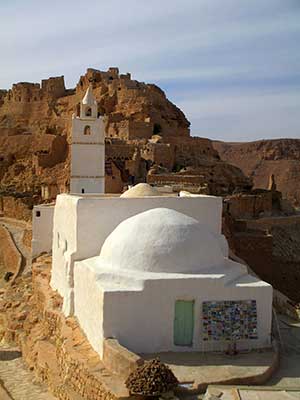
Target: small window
x=87 y=130
x=64 y=246
x=82 y=190
x=88 y=112
x=38 y=213
x=58 y=239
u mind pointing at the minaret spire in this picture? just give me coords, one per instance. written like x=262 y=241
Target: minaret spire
x=88 y=106
x=89 y=98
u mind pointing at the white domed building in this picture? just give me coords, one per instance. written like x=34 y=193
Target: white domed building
x=148 y=269
x=163 y=282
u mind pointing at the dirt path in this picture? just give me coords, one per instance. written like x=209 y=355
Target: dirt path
x=19 y=381
x=16 y=228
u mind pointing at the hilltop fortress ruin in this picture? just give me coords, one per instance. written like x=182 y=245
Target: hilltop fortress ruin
x=147 y=138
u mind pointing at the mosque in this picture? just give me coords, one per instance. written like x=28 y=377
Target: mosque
x=152 y=272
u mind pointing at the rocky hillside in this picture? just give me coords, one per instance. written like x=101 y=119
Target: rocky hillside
x=143 y=129
x=31 y=108
x=262 y=158
x=35 y=122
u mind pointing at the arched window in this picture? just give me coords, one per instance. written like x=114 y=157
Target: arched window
x=88 y=112
x=87 y=130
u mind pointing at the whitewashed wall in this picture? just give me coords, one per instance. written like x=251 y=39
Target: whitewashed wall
x=64 y=248
x=98 y=217
x=124 y=316
x=42 y=229
x=86 y=221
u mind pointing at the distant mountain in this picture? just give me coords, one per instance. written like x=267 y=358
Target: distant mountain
x=262 y=158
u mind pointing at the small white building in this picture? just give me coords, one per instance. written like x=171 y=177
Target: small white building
x=154 y=273
x=87 y=148
x=81 y=223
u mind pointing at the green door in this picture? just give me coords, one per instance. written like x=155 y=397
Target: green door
x=184 y=323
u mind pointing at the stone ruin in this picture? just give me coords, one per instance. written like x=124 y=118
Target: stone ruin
x=147 y=138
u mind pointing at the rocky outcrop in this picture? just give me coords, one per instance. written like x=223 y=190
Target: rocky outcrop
x=261 y=159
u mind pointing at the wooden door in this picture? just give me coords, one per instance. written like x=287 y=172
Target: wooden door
x=184 y=323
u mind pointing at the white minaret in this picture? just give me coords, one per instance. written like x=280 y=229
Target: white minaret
x=87 y=148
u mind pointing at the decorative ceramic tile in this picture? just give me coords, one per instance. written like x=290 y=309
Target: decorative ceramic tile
x=229 y=320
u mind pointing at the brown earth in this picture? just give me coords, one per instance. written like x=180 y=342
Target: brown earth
x=262 y=158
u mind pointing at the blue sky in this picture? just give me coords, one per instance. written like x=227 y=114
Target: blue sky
x=233 y=66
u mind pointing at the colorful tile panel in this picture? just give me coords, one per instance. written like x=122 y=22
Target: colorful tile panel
x=229 y=320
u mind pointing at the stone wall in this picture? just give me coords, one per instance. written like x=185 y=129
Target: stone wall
x=130 y=129
x=119 y=151
x=53 y=346
x=118 y=359
x=162 y=154
x=27 y=237
x=254 y=246
x=16 y=207
x=168 y=179
x=25 y=92
x=192 y=183
x=113 y=178
x=250 y=205
x=190 y=151
x=256 y=249
x=10 y=255
x=57 y=153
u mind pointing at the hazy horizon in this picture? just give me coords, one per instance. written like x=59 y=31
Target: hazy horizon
x=234 y=69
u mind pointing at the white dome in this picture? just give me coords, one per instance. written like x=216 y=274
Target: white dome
x=141 y=190
x=161 y=240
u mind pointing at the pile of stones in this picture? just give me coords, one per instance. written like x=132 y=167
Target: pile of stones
x=151 y=379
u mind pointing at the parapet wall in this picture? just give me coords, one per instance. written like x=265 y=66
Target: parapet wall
x=119 y=359
x=171 y=179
